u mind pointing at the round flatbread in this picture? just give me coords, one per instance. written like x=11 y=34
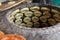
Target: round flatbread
x=12 y=37
x=1 y=34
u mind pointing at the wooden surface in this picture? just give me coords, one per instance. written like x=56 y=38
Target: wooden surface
x=5 y=7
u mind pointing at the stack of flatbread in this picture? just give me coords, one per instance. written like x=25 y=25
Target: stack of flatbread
x=4 y=36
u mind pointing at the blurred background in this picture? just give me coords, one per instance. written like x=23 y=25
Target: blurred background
x=56 y=2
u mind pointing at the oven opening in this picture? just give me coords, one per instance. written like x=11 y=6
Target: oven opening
x=35 y=17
